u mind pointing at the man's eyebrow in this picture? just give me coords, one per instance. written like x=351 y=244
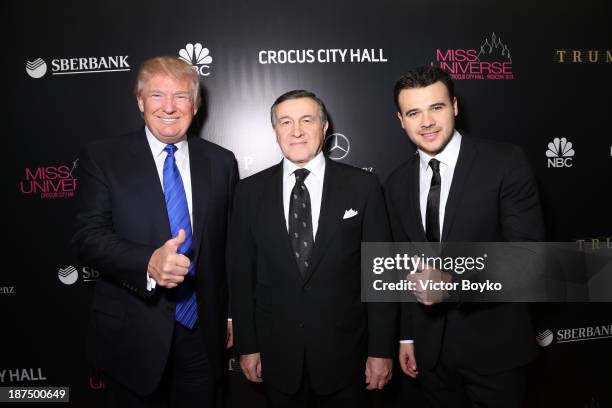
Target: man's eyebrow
x=437 y=104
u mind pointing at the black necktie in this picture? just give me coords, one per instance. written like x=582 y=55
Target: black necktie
x=300 y=221
x=432 y=215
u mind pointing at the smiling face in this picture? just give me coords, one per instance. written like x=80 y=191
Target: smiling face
x=168 y=107
x=427 y=115
x=299 y=129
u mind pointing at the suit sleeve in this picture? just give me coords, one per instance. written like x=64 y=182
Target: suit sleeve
x=232 y=181
x=398 y=235
x=517 y=265
x=95 y=240
x=241 y=264
x=382 y=316
x=520 y=211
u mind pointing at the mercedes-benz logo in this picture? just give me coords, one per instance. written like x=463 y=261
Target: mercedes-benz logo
x=337 y=146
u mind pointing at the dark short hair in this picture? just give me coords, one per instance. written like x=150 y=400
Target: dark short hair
x=421 y=77
x=296 y=94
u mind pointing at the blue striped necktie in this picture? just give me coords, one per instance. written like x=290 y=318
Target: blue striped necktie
x=178 y=215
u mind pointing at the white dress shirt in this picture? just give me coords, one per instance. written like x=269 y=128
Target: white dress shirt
x=314 y=184
x=181 y=157
x=448 y=161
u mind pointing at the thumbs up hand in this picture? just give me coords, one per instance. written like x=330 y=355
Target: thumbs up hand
x=168 y=267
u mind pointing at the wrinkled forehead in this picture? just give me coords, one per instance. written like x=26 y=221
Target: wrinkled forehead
x=296 y=108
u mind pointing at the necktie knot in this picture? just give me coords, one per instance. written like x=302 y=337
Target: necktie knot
x=170 y=149
x=435 y=165
x=300 y=175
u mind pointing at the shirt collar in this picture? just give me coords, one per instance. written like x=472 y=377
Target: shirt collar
x=157 y=147
x=448 y=156
x=316 y=167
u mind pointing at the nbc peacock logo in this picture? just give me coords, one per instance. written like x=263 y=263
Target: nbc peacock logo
x=37 y=68
x=198 y=56
x=560 y=153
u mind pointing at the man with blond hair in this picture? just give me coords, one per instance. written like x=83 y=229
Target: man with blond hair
x=152 y=218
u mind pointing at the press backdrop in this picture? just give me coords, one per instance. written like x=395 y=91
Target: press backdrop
x=533 y=73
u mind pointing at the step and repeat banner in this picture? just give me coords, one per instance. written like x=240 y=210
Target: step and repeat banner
x=537 y=74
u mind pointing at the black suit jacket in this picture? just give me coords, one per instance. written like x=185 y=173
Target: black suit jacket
x=121 y=220
x=493 y=198
x=318 y=322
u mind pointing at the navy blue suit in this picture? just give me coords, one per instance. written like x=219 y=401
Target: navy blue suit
x=121 y=220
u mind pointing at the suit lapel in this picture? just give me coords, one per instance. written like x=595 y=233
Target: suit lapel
x=148 y=187
x=467 y=154
x=199 y=166
x=330 y=215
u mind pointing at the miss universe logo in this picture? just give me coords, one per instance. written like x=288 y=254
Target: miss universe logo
x=491 y=61
x=49 y=182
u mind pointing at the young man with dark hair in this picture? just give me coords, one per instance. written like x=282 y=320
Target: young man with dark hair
x=457 y=188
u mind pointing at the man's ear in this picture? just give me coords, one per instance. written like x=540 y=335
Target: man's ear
x=140 y=103
x=399 y=116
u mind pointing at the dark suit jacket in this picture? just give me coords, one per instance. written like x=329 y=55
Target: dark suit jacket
x=493 y=198
x=318 y=322
x=121 y=220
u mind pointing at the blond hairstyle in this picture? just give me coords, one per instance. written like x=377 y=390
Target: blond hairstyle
x=172 y=67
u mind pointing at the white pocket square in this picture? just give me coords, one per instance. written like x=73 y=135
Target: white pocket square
x=349 y=214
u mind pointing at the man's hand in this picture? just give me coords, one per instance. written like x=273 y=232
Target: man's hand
x=378 y=372
x=428 y=276
x=407 y=360
x=167 y=267
x=251 y=367
x=229 y=340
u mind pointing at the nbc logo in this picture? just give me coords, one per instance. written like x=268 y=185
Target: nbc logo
x=560 y=153
x=68 y=275
x=36 y=68
x=545 y=338
x=198 y=57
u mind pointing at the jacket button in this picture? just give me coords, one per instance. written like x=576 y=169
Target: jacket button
x=307 y=287
x=301 y=325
